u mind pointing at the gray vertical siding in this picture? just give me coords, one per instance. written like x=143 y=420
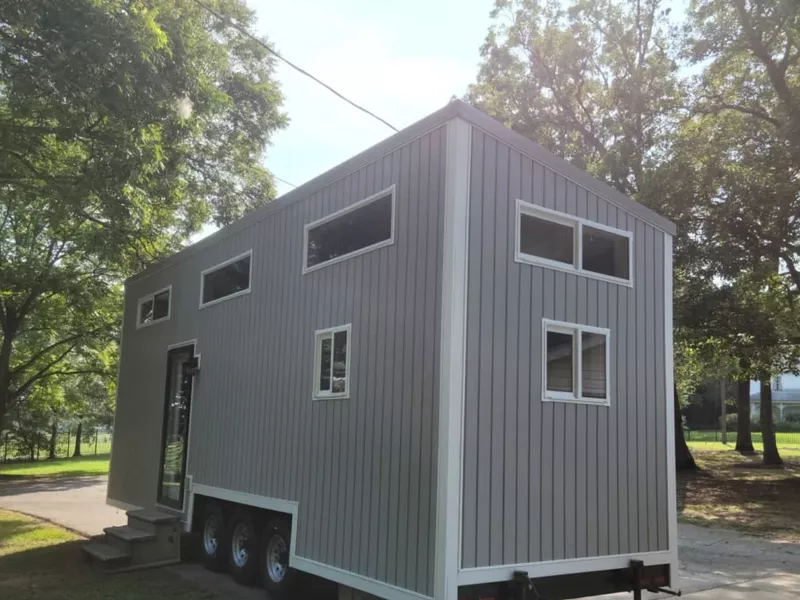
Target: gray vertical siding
x=362 y=470
x=552 y=480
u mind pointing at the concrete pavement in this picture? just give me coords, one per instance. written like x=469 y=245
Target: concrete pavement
x=77 y=503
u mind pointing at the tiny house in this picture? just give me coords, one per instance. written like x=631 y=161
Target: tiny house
x=442 y=369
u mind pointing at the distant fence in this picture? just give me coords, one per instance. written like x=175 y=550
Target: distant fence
x=791 y=438
x=97 y=442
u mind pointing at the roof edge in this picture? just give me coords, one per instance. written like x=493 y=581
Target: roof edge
x=455 y=108
x=562 y=167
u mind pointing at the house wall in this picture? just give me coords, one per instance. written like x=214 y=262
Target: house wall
x=362 y=470
x=547 y=481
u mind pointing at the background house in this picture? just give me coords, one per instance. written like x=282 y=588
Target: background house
x=785 y=397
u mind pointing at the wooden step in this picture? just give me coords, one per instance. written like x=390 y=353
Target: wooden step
x=129 y=534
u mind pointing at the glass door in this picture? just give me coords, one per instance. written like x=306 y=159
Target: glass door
x=181 y=367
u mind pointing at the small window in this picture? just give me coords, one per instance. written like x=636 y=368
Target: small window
x=547 y=239
x=365 y=226
x=154 y=308
x=576 y=363
x=560 y=241
x=227 y=280
x=332 y=363
x=605 y=252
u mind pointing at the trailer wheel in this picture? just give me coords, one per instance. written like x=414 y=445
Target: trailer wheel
x=243 y=554
x=279 y=579
x=214 y=540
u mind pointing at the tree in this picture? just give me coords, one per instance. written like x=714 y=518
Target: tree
x=124 y=126
x=597 y=83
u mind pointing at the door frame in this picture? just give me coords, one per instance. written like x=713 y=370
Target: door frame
x=172 y=349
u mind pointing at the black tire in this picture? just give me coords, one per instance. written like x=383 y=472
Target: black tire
x=275 y=547
x=243 y=546
x=215 y=555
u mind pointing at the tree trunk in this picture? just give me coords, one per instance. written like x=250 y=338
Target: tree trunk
x=78 y=433
x=744 y=439
x=53 y=434
x=684 y=461
x=771 y=456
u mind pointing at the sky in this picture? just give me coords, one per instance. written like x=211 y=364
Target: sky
x=401 y=59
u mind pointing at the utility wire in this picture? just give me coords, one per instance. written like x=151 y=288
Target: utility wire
x=283 y=180
x=230 y=23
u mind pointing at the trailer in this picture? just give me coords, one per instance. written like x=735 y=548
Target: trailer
x=442 y=369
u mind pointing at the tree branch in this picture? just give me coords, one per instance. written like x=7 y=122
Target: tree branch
x=41 y=373
x=31 y=361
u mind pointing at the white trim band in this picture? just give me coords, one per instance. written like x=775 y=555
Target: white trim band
x=559 y=567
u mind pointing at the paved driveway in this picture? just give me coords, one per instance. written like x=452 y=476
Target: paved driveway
x=78 y=503
x=714 y=564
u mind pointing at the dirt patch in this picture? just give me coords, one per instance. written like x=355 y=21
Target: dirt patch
x=736 y=491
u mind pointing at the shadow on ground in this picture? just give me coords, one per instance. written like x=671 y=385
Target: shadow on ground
x=12 y=485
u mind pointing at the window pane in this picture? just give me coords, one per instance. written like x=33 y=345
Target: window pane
x=357 y=229
x=605 y=252
x=559 y=362
x=339 y=362
x=228 y=280
x=546 y=239
x=593 y=365
x=325 y=365
x=161 y=305
x=146 y=311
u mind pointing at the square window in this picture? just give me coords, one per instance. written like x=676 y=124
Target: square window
x=576 y=365
x=153 y=308
x=546 y=239
x=605 y=252
x=332 y=363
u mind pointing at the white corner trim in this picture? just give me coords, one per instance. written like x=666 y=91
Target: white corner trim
x=392 y=190
x=151 y=296
x=121 y=505
x=550 y=568
x=672 y=498
x=452 y=361
x=221 y=265
x=316 y=394
x=354 y=580
x=577 y=224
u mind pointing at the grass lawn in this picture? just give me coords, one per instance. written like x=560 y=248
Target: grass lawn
x=787 y=451
x=38 y=560
x=88 y=465
x=737 y=492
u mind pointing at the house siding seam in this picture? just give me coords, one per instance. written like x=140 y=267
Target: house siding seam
x=362 y=470
x=553 y=480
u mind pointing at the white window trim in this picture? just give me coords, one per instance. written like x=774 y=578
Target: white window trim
x=309 y=226
x=577 y=363
x=577 y=224
x=316 y=393
x=143 y=299
x=220 y=266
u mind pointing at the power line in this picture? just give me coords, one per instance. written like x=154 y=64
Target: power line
x=283 y=180
x=230 y=23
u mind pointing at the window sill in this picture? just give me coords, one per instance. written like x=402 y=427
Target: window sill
x=574 y=400
x=150 y=323
x=527 y=259
x=344 y=396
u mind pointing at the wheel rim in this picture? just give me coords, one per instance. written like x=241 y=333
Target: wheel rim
x=210 y=536
x=239 y=545
x=277 y=557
